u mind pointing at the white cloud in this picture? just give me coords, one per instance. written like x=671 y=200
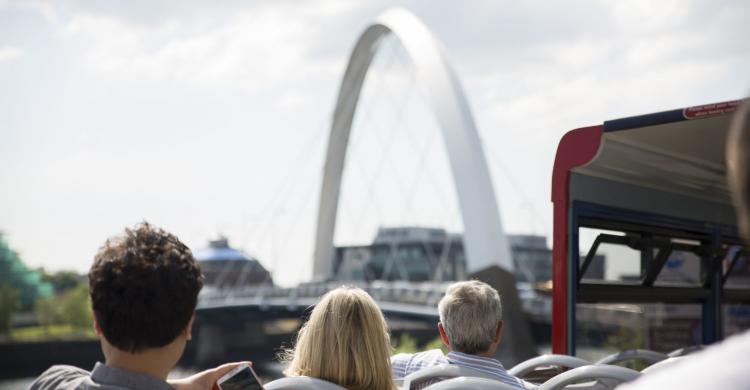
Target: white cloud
x=251 y=49
x=44 y=7
x=9 y=53
x=531 y=73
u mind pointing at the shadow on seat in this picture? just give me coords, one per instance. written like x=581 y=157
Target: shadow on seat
x=650 y=357
x=301 y=383
x=442 y=371
x=605 y=377
x=467 y=383
x=523 y=369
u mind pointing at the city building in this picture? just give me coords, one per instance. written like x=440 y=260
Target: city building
x=422 y=254
x=226 y=267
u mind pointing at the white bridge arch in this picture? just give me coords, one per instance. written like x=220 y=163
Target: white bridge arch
x=484 y=241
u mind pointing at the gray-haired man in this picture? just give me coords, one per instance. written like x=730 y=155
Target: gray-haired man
x=471 y=327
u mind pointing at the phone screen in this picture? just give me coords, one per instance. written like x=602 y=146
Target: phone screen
x=242 y=380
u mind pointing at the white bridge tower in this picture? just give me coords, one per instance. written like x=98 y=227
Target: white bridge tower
x=484 y=240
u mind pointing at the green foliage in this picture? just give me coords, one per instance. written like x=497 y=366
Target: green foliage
x=48 y=311
x=59 y=298
x=437 y=343
x=62 y=281
x=9 y=303
x=52 y=332
x=27 y=282
x=72 y=308
x=407 y=344
x=76 y=308
x=627 y=338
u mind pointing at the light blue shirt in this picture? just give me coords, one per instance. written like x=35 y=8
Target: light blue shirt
x=404 y=364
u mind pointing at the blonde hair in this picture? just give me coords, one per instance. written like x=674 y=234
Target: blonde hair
x=345 y=341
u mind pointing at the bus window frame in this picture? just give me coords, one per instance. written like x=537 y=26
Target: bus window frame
x=711 y=294
x=577 y=148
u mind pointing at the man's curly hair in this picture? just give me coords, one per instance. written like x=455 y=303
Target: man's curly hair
x=144 y=286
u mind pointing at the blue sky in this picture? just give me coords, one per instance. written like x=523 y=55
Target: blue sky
x=210 y=117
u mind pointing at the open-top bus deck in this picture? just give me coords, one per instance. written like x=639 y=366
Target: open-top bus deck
x=649 y=193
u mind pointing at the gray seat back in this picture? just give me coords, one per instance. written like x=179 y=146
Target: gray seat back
x=442 y=371
x=301 y=383
x=685 y=351
x=606 y=377
x=532 y=364
x=468 y=383
x=663 y=364
x=646 y=355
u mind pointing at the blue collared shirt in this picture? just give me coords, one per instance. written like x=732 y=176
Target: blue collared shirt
x=404 y=364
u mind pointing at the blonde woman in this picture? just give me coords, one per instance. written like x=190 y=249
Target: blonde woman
x=345 y=341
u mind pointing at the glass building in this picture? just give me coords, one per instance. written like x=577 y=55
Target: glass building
x=422 y=254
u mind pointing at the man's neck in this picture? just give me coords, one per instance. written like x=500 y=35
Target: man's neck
x=488 y=354
x=155 y=362
x=141 y=364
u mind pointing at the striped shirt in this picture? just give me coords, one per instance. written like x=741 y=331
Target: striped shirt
x=404 y=364
x=103 y=377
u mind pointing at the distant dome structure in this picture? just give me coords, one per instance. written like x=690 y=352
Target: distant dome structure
x=226 y=267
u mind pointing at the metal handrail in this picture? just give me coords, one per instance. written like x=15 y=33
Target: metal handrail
x=442 y=371
x=607 y=376
x=463 y=383
x=532 y=364
x=646 y=355
x=301 y=383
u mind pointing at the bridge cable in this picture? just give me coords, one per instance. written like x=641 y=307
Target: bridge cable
x=410 y=193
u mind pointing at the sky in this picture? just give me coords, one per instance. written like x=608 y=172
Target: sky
x=211 y=118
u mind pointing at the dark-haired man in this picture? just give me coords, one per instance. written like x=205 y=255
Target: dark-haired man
x=144 y=287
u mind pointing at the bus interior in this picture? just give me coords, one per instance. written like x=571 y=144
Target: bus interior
x=648 y=197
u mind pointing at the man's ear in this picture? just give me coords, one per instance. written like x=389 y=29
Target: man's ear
x=97 y=328
x=499 y=332
x=188 y=332
x=443 y=335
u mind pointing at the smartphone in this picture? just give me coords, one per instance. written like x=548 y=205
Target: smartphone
x=241 y=378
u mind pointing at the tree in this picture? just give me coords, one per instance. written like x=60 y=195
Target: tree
x=62 y=281
x=9 y=303
x=48 y=311
x=76 y=308
x=26 y=282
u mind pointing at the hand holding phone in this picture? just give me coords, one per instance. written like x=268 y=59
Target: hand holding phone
x=241 y=377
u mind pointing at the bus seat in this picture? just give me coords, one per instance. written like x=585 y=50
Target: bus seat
x=464 y=383
x=442 y=371
x=562 y=361
x=663 y=364
x=301 y=383
x=685 y=351
x=605 y=376
x=645 y=355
